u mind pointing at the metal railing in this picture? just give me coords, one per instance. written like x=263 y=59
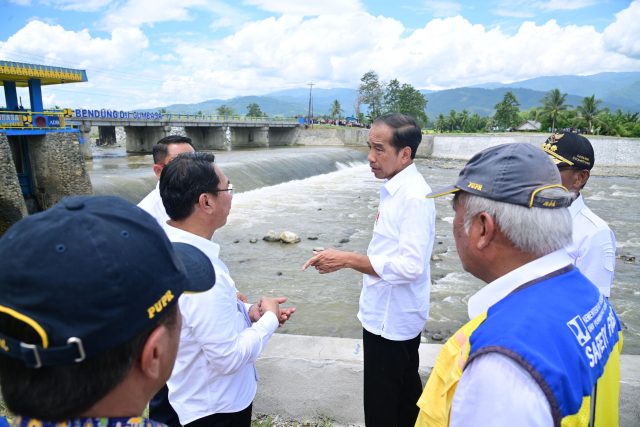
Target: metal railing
x=163 y=117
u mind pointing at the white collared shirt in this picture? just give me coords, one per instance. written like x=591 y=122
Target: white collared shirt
x=512 y=398
x=395 y=305
x=152 y=204
x=593 y=246
x=215 y=367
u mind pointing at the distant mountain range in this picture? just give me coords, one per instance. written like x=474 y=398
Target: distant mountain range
x=616 y=90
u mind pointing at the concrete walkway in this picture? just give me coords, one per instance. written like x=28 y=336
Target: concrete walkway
x=305 y=377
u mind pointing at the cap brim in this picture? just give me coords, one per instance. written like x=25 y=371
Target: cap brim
x=196 y=266
x=442 y=192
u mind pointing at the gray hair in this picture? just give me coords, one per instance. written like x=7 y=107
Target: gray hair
x=538 y=231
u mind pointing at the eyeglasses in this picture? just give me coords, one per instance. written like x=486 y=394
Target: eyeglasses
x=229 y=189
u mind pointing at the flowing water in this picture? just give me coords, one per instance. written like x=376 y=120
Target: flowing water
x=329 y=197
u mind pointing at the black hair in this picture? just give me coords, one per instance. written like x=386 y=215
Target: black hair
x=161 y=147
x=406 y=131
x=183 y=181
x=58 y=393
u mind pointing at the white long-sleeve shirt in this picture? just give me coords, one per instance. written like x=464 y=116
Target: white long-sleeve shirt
x=395 y=305
x=593 y=248
x=152 y=204
x=215 y=367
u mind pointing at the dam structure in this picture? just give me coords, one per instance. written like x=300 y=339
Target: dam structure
x=40 y=156
x=207 y=132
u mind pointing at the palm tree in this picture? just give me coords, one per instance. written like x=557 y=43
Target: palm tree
x=336 y=109
x=553 y=104
x=452 y=120
x=589 y=110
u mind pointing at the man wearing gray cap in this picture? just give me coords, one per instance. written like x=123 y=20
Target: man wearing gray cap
x=543 y=345
x=89 y=315
x=593 y=246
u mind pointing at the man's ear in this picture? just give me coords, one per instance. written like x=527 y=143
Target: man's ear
x=152 y=353
x=406 y=154
x=157 y=169
x=206 y=202
x=486 y=231
x=583 y=175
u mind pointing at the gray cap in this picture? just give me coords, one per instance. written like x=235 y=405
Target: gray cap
x=511 y=173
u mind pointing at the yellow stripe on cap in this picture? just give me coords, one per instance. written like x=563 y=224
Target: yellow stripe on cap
x=29 y=321
x=557 y=157
x=537 y=190
x=443 y=193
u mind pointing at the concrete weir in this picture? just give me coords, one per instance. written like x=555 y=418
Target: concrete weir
x=305 y=377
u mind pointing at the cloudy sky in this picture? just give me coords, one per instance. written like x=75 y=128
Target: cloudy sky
x=150 y=53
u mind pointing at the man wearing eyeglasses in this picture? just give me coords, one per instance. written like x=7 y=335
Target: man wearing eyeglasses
x=593 y=247
x=214 y=380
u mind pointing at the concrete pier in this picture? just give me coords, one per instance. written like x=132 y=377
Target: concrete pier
x=206 y=138
x=305 y=377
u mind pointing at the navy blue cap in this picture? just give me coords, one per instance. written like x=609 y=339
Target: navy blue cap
x=568 y=149
x=511 y=173
x=89 y=274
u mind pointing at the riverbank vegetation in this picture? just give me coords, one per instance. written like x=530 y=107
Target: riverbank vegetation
x=553 y=113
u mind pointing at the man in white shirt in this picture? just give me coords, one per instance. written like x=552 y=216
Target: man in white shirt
x=164 y=151
x=541 y=338
x=593 y=247
x=394 y=302
x=214 y=380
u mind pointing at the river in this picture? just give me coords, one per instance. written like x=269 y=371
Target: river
x=329 y=197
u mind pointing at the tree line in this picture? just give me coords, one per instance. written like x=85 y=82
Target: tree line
x=552 y=115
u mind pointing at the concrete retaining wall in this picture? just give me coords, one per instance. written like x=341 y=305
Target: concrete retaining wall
x=333 y=136
x=608 y=151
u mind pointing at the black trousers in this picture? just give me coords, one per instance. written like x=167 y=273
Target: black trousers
x=161 y=411
x=232 y=419
x=392 y=385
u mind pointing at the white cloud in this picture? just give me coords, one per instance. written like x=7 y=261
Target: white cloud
x=443 y=9
x=135 y=13
x=330 y=50
x=279 y=53
x=623 y=35
x=78 y=5
x=54 y=45
x=565 y=4
x=513 y=13
x=21 y=2
x=308 y=8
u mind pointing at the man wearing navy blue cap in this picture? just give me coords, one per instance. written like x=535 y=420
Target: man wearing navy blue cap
x=543 y=345
x=89 y=320
x=593 y=245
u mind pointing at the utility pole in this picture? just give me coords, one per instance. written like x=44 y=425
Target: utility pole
x=310 y=113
